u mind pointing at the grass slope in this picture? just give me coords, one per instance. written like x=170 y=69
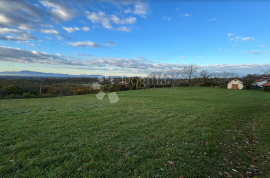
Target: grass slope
x=193 y=132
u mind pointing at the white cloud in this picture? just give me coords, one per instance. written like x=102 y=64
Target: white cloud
x=59 y=11
x=183 y=57
x=111 y=43
x=105 y=20
x=81 y=54
x=201 y=57
x=256 y=52
x=141 y=9
x=262 y=46
x=229 y=34
x=9 y=31
x=247 y=39
x=85 y=44
x=70 y=29
x=242 y=38
x=127 y=11
x=186 y=15
x=213 y=19
x=16 y=55
x=167 y=18
x=176 y=9
x=124 y=28
x=26 y=27
x=99 y=17
x=86 y=29
x=49 y=31
x=116 y=20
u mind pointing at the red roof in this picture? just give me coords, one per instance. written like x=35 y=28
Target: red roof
x=267 y=84
x=259 y=80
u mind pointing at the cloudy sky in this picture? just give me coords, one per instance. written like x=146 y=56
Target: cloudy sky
x=133 y=37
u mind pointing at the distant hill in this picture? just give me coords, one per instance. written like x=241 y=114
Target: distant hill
x=27 y=73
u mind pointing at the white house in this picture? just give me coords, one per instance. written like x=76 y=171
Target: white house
x=235 y=84
x=260 y=82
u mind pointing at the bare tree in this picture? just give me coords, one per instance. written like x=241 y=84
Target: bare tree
x=266 y=72
x=204 y=75
x=173 y=74
x=155 y=76
x=189 y=71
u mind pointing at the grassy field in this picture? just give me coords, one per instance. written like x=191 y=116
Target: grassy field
x=192 y=132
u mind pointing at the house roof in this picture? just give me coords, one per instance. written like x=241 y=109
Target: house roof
x=267 y=84
x=259 y=80
x=265 y=77
x=234 y=79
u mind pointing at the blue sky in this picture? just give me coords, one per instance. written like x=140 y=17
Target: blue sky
x=114 y=37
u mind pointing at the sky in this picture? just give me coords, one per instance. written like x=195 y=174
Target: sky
x=133 y=37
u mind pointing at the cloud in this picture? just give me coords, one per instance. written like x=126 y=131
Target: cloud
x=49 y=31
x=124 y=28
x=105 y=20
x=127 y=11
x=23 y=37
x=176 y=9
x=183 y=57
x=116 y=20
x=247 y=39
x=167 y=18
x=242 y=38
x=141 y=9
x=200 y=57
x=256 y=52
x=59 y=11
x=20 y=13
x=53 y=32
x=70 y=29
x=85 y=44
x=213 y=19
x=86 y=29
x=81 y=54
x=186 y=15
x=229 y=34
x=19 y=35
x=262 y=46
x=10 y=31
x=111 y=43
x=16 y=55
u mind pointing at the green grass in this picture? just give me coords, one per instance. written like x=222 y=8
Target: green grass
x=197 y=132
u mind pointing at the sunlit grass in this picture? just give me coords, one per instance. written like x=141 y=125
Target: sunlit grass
x=166 y=133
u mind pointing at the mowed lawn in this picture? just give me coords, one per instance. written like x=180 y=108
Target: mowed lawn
x=192 y=132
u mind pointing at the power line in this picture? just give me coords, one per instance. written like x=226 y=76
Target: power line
x=219 y=41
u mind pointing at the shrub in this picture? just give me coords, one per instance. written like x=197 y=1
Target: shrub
x=267 y=89
x=209 y=84
x=66 y=91
x=183 y=85
x=27 y=95
x=3 y=93
x=12 y=89
x=120 y=87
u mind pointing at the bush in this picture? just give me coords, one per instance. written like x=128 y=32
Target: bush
x=3 y=93
x=267 y=89
x=12 y=89
x=27 y=95
x=209 y=84
x=183 y=85
x=66 y=91
x=120 y=87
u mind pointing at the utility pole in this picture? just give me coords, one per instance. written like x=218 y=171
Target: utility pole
x=40 y=88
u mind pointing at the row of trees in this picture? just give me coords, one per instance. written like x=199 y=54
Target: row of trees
x=190 y=72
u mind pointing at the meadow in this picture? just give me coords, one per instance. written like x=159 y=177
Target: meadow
x=186 y=132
